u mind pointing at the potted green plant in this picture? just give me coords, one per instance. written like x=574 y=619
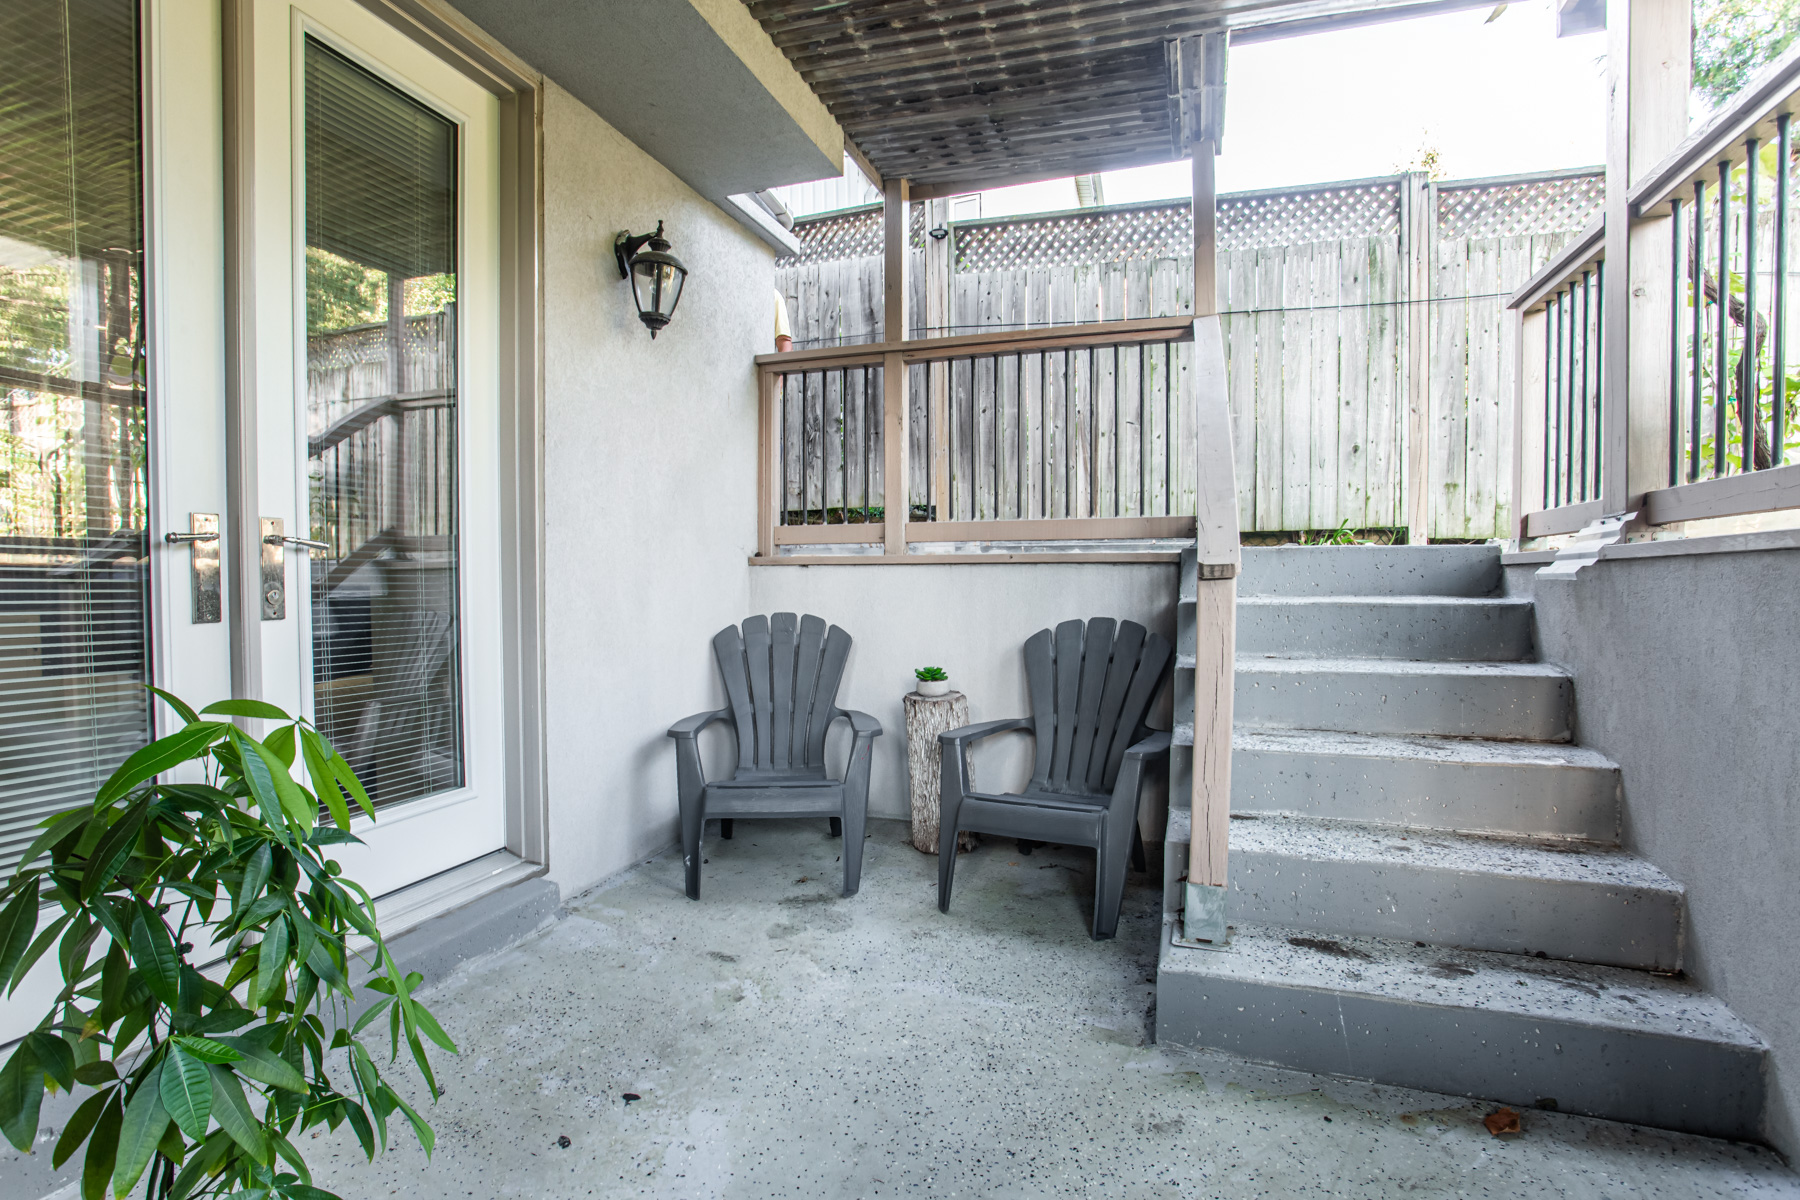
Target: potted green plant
x=933 y=681
x=206 y=944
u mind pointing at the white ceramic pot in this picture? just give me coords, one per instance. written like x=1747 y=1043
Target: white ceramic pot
x=934 y=687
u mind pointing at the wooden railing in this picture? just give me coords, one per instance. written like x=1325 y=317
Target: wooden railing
x=1016 y=444
x=1704 y=424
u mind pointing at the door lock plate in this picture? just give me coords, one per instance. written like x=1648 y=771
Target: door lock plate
x=274 y=571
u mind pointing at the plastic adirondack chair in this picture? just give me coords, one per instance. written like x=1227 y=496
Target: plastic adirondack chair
x=1090 y=689
x=781 y=680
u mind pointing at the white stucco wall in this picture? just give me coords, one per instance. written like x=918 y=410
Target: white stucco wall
x=649 y=485
x=972 y=621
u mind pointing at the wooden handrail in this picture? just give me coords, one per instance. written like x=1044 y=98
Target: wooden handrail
x=1005 y=341
x=1578 y=254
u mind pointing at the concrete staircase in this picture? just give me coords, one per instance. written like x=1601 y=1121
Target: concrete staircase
x=1427 y=886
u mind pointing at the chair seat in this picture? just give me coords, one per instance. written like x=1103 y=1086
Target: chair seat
x=1073 y=801
x=777 y=779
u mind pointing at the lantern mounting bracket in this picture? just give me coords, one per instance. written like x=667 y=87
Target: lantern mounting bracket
x=626 y=245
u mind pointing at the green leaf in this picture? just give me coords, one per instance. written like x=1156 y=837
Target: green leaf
x=79 y=1126
x=55 y=1057
x=261 y=782
x=113 y=978
x=56 y=830
x=201 y=1161
x=21 y=1093
x=206 y=1050
x=177 y=703
x=45 y=940
x=429 y=1026
x=324 y=779
x=17 y=924
x=286 y=1149
x=272 y=961
x=281 y=742
x=154 y=953
x=234 y=1115
x=359 y=1124
x=256 y=874
x=96 y=1074
x=375 y=1010
x=426 y=1138
x=265 y=1066
x=351 y=783
x=146 y=1118
x=186 y=1092
x=158 y=757
x=103 y=1148
x=244 y=708
x=114 y=848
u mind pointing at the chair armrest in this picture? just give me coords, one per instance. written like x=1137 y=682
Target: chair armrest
x=1156 y=743
x=972 y=733
x=861 y=723
x=689 y=727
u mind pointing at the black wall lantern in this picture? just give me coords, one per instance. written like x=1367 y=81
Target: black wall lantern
x=656 y=276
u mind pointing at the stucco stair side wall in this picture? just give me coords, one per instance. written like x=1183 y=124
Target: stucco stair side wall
x=1687 y=673
x=649 y=487
x=972 y=620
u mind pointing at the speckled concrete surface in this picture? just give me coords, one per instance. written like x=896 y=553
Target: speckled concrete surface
x=789 y=1043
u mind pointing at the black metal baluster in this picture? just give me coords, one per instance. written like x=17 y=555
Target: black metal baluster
x=1549 y=406
x=1556 y=459
x=1697 y=357
x=1675 y=257
x=1599 y=373
x=950 y=436
x=1721 y=380
x=869 y=442
x=787 y=442
x=1043 y=435
x=1093 y=481
x=974 y=479
x=999 y=429
x=1169 y=429
x=1118 y=442
x=1778 y=413
x=843 y=445
x=1024 y=432
x=1578 y=461
x=1749 y=416
x=1068 y=441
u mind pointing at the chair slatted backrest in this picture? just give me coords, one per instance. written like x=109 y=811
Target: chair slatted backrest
x=781 y=679
x=1091 y=684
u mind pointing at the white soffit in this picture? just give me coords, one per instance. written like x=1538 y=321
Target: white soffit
x=696 y=84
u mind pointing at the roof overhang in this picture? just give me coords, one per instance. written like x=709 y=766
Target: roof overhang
x=958 y=97
x=696 y=84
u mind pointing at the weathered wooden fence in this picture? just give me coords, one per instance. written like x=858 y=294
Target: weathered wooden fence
x=1359 y=316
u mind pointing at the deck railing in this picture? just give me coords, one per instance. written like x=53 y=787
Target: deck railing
x=1016 y=443
x=1709 y=425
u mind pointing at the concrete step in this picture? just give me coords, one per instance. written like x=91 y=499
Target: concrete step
x=1524 y=789
x=1522 y=701
x=1564 y=900
x=1303 y=571
x=1442 y=628
x=1623 y=1045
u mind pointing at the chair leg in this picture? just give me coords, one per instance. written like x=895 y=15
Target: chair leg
x=855 y=823
x=1026 y=846
x=725 y=828
x=837 y=830
x=693 y=825
x=1109 y=880
x=1139 y=863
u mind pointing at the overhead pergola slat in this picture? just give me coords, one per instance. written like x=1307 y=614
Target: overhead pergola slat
x=949 y=93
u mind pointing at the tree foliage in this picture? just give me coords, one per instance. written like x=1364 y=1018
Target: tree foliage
x=203 y=1081
x=1733 y=38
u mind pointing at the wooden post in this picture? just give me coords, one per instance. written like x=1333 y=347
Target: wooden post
x=895 y=325
x=1529 y=332
x=937 y=375
x=1417 y=222
x=1648 y=74
x=769 y=482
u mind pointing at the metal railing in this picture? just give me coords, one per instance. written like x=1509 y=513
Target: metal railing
x=1713 y=220
x=976 y=444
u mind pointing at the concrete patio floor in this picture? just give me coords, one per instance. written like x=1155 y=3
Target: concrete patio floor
x=786 y=1042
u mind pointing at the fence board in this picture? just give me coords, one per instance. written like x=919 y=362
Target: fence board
x=1314 y=283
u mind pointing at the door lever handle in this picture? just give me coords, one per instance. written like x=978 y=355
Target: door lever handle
x=280 y=539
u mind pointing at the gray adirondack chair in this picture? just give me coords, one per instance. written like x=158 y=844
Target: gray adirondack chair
x=781 y=679
x=1090 y=688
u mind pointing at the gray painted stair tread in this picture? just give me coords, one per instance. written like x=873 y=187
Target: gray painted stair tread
x=1447 y=603
x=1287 y=664
x=1448 y=628
x=1580 y=993
x=1545 y=859
x=1451 y=750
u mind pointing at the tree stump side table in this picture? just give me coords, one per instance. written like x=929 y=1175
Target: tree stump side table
x=926 y=717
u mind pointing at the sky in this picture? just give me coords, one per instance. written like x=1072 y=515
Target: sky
x=1494 y=98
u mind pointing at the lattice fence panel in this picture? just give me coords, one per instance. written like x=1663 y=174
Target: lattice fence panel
x=1535 y=206
x=1313 y=215
x=856 y=234
x=1074 y=239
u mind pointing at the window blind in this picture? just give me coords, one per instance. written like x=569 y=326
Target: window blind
x=74 y=616
x=381 y=210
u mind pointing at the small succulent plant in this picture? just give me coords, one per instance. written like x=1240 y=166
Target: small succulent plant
x=931 y=674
